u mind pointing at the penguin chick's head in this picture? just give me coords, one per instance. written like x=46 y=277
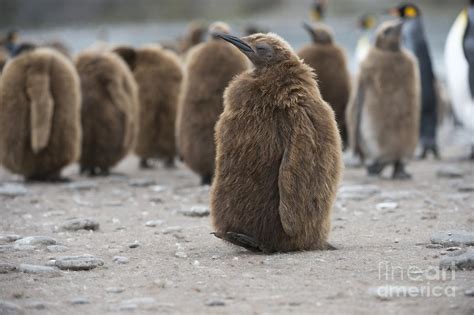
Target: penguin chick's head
x=389 y=35
x=320 y=33
x=318 y=10
x=22 y=48
x=405 y=11
x=128 y=54
x=263 y=50
x=217 y=28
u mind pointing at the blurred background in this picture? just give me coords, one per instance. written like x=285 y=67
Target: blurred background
x=80 y=23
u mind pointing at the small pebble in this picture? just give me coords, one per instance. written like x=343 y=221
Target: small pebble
x=114 y=290
x=84 y=262
x=134 y=245
x=37 y=305
x=120 y=260
x=36 y=269
x=215 y=302
x=181 y=255
x=196 y=211
x=79 y=301
x=464 y=260
x=36 y=240
x=172 y=229
x=80 y=224
x=386 y=206
x=141 y=182
x=57 y=248
x=153 y=223
x=158 y=188
x=12 y=190
x=450 y=171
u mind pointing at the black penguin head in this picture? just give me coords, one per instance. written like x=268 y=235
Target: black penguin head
x=128 y=54
x=389 y=35
x=406 y=11
x=319 y=33
x=263 y=50
x=367 y=22
x=318 y=10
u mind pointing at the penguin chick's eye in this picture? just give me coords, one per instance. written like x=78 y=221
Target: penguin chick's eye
x=264 y=50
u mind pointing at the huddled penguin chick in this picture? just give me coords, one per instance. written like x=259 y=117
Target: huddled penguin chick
x=209 y=69
x=278 y=154
x=459 y=65
x=383 y=115
x=40 y=129
x=414 y=39
x=158 y=74
x=108 y=112
x=329 y=62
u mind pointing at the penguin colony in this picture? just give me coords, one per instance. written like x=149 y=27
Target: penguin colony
x=261 y=122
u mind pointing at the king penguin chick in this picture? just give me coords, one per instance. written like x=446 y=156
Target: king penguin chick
x=318 y=10
x=329 y=62
x=366 y=25
x=158 y=74
x=109 y=110
x=279 y=153
x=459 y=64
x=209 y=69
x=414 y=40
x=39 y=114
x=383 y=115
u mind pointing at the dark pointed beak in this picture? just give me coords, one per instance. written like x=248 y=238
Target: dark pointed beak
x=308 y=28
x=237 y=42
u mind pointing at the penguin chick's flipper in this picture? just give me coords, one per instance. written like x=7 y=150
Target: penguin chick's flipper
x=241 y=240
x=41 y=105
x=399 y=171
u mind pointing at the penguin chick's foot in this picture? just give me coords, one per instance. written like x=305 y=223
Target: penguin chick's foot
x=145 y=164
x=330 y=247
x=375 y=169
x=399 y=171
x=241 y=240
x=427 y=149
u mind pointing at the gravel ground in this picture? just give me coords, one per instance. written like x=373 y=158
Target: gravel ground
x=144 y=246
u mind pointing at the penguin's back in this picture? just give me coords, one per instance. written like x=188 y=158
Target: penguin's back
x=63 y=144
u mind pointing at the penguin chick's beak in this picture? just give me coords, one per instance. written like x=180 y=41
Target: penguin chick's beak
x=237 y=42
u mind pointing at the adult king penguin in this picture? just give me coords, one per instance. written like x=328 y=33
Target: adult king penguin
x=459 y=61
x=414 y=39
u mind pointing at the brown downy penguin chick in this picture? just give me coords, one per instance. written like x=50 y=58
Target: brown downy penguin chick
x=40 y=129
x=209 y=69
x=158 y=74
x=109 y=110
x=383 y=115
x=279 y=159
x=329 y=62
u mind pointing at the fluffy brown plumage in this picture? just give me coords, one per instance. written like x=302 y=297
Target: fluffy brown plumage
x=39 y=114
x=209 y=69
x=3 y=58
x=383 y=115
x=109 y=110
x=278 y=161
x=158 y=74
x=329 y=62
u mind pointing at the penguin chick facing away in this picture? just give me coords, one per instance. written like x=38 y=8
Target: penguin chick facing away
x=158 y=74
x=109 y=109
x=414 y=39
x=329 y=62
x=383 y=115
x=40 y=129
x=278 y=161
x=209 y=69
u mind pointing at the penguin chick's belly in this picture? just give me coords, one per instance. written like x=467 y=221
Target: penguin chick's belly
x=386 y=142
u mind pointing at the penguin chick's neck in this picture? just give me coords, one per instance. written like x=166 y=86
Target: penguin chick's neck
x=282 y=85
